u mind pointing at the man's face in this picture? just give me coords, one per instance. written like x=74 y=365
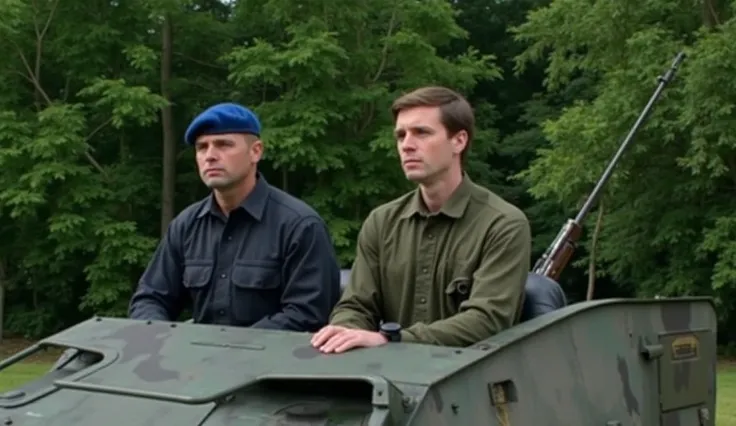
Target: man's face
x=426 y=150
x=224 y=161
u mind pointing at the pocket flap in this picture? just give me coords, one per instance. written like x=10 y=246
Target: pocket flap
x=257 y=274
x=196 y=275
x=459 y=285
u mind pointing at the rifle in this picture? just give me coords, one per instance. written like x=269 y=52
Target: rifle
x=554 y=260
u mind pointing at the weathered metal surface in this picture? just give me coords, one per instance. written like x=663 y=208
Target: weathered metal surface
x=610 y=362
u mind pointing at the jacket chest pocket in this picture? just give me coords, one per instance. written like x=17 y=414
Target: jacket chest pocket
x=457 y=292
x=257 y=289
x=458 y=285
x=257 y=275
x=197 y=276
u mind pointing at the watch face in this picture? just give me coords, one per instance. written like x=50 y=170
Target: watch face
x=391 y=327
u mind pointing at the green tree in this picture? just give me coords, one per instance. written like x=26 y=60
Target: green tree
x=667 y=226
x=322 y=77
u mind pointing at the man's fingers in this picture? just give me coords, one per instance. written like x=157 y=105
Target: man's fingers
x=337 y=341
x=325 y=334
x=334 y=341
x=349 y=343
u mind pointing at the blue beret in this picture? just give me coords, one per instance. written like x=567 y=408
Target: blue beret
x=223 y=118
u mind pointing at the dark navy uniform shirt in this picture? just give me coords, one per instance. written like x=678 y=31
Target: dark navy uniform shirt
x=270 y=264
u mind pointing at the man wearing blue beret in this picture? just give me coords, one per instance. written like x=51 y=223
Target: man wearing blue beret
x=249 y=254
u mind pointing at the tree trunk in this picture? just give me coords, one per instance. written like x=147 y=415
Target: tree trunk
x=593 y=249
x=3 y=284
x=167 y=121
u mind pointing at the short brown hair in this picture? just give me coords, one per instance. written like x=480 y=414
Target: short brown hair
x=456 y=114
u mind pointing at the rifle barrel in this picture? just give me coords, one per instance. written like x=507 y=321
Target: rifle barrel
x=663 y=81
x=555 y=258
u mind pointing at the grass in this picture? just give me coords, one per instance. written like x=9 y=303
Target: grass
x=19 y=374
x=40 y=363
x=725 y=394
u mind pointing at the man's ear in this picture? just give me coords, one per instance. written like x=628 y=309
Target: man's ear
x=256 y=148
x=460 y=141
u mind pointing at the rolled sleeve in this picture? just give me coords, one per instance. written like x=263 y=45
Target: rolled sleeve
x=361 y=301
x=496 y=295
x=312 y=283
x=159 y=295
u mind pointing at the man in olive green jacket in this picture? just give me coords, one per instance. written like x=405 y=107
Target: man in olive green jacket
x=444 y=264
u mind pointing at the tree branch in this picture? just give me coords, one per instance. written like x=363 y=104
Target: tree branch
x=31 y=76
x=197 y=61
x=48 y=21
x=89 y=156
x=384 y=52
x=97 y=129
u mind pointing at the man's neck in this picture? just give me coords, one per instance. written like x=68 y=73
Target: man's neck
x=436 y=194
x=230 y=198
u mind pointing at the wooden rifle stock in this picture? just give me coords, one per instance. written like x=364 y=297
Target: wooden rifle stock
x=559 y=253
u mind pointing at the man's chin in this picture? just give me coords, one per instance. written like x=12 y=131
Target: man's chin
x=218 y=183
x=415 y=176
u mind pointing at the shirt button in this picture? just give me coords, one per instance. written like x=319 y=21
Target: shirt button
x=221 y=312
x=430 y=236
x=422 y=300
x=223 y=276
x=424 y=270
x=229 y=238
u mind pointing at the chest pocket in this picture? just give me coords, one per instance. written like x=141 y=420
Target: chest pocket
x=459 y=283
x=196 y=275
x=257 y=289
x=458 y=291
x=196 y=279
x=257 y=275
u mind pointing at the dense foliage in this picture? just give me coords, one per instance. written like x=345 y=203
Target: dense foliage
x=97 y=95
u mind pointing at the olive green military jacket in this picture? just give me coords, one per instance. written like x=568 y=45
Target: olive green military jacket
x=451 y=278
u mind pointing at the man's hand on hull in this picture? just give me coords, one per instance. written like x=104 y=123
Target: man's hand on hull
x=338 y=339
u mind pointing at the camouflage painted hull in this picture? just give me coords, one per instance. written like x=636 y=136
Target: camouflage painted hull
x=607 y=362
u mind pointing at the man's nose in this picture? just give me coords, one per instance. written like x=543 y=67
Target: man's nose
x=210 y=154
x=407 y=144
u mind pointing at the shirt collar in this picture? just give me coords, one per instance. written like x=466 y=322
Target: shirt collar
x=454 y=207
x=254 y=203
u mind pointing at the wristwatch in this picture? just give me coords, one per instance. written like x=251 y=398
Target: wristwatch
x=392 y=331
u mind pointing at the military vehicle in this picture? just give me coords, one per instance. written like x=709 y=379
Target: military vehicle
x=600 y=362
